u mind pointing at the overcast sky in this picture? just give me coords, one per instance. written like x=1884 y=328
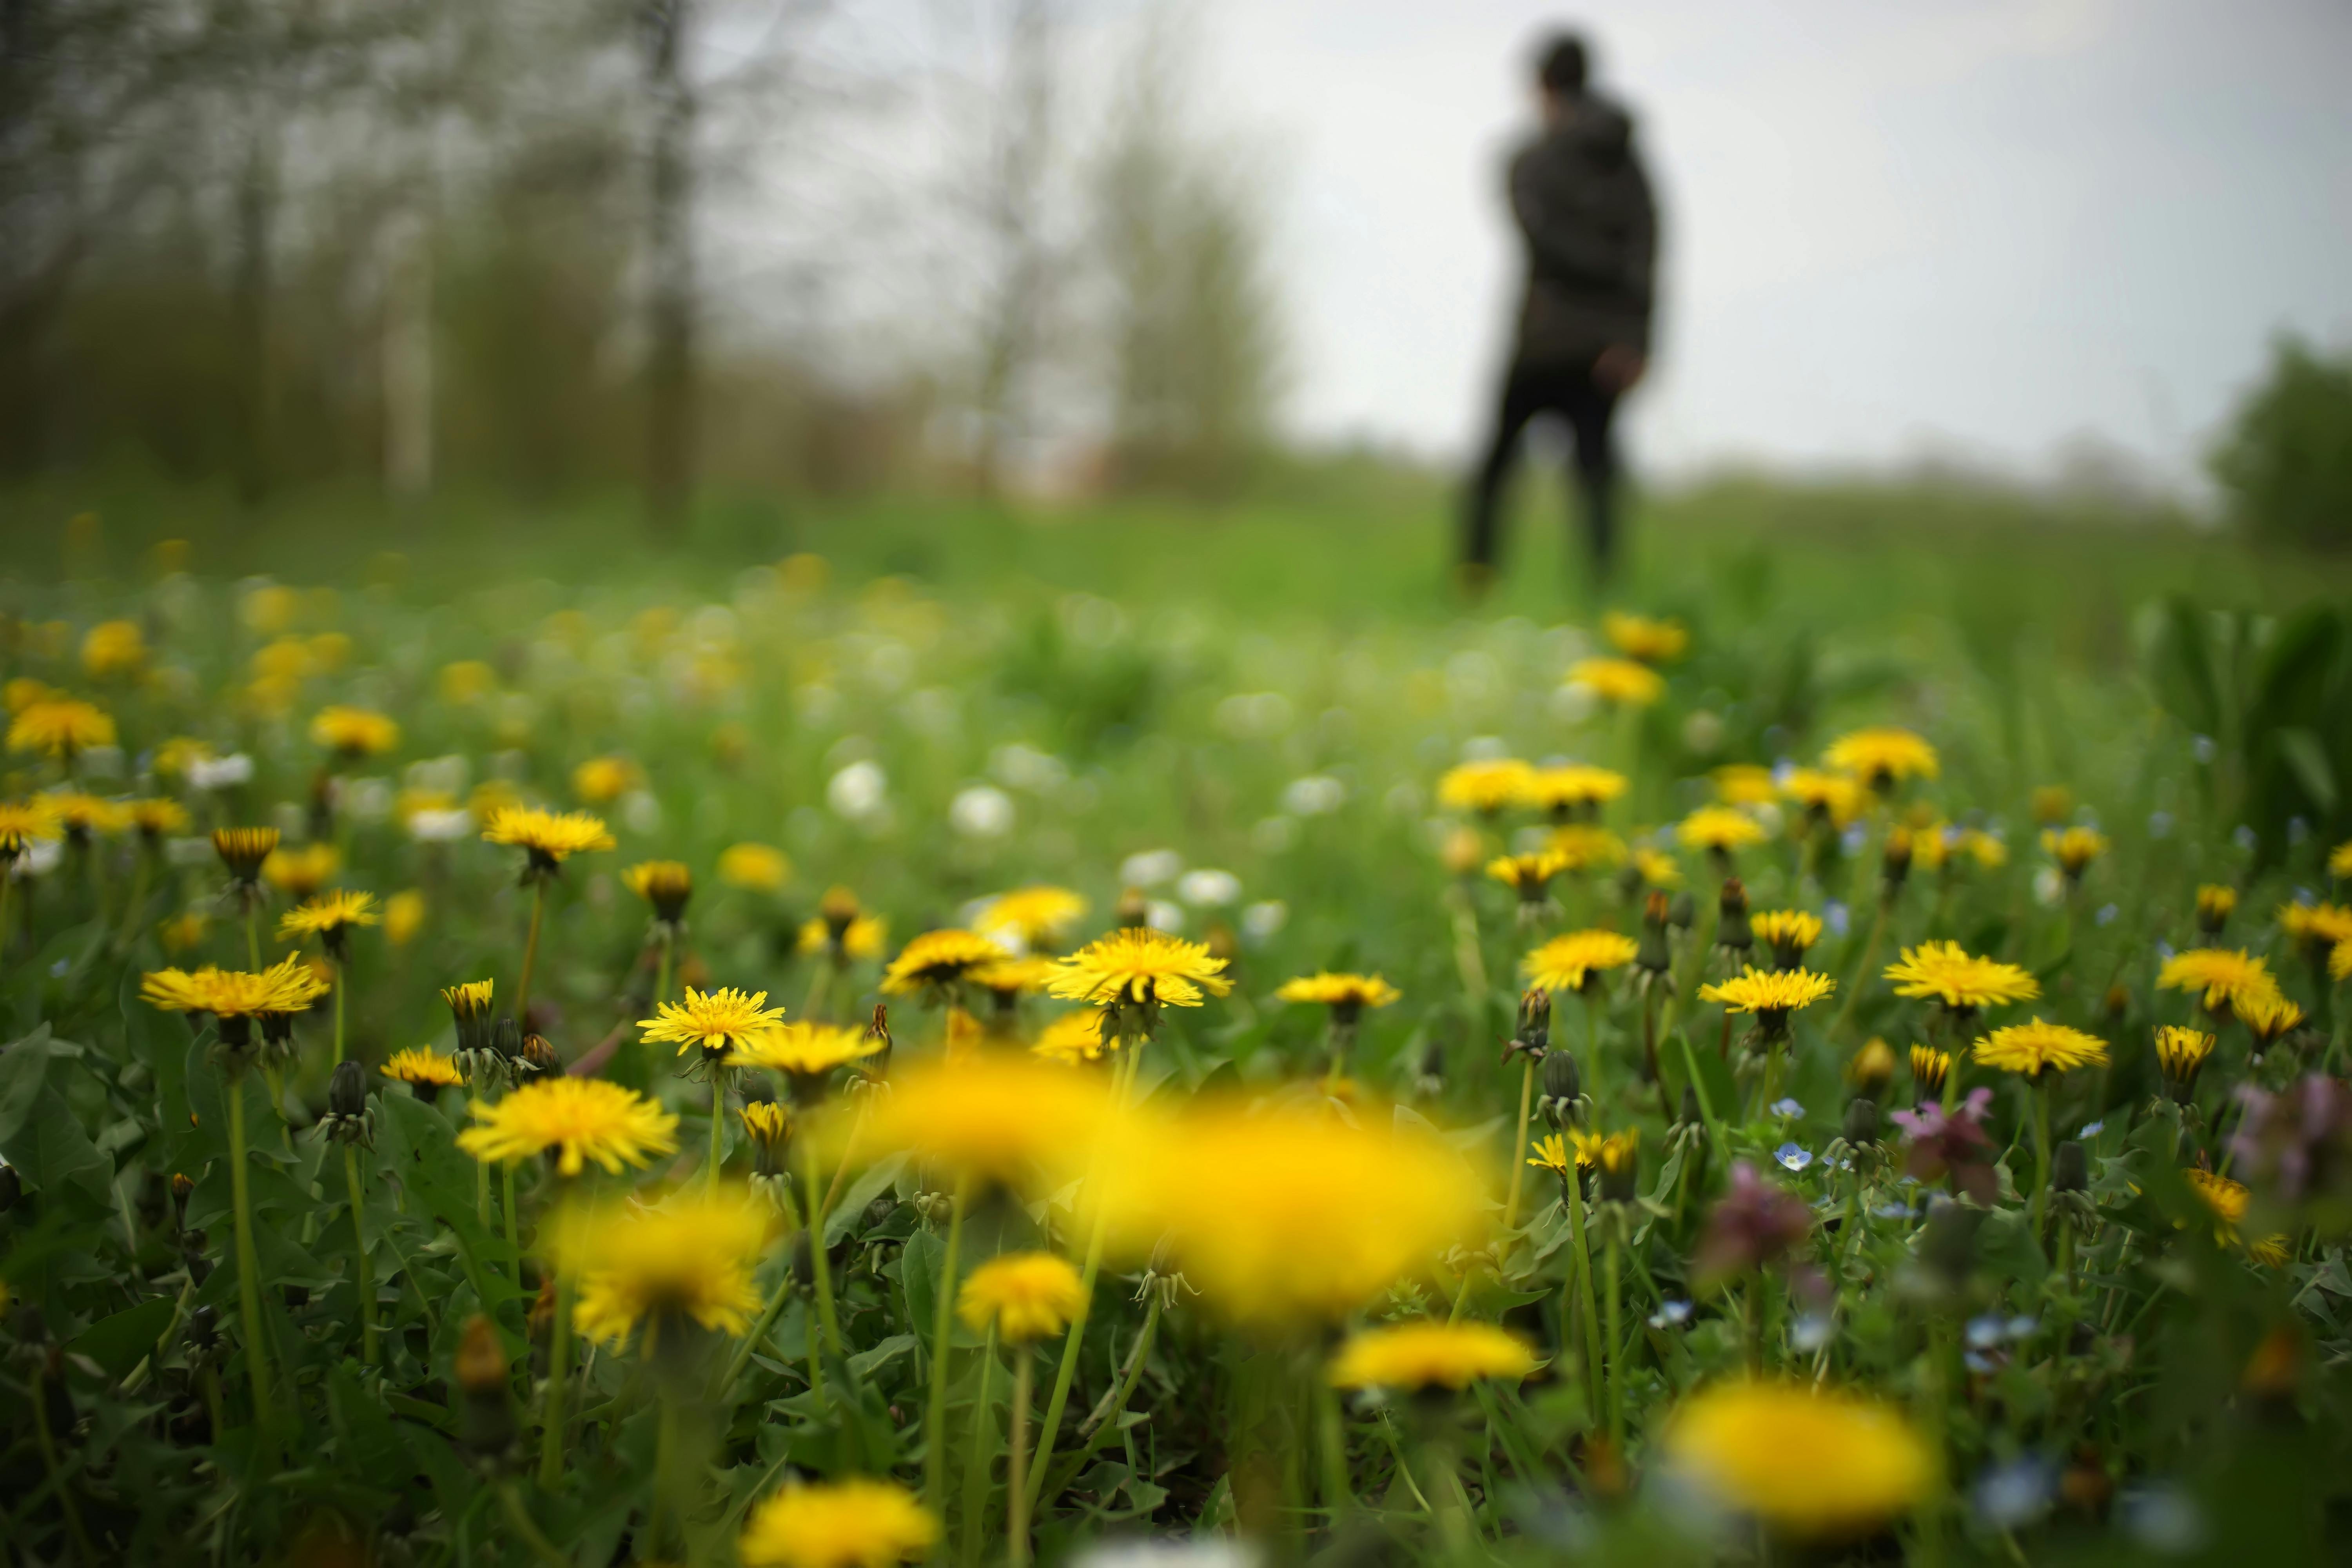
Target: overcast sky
x=1974 y=226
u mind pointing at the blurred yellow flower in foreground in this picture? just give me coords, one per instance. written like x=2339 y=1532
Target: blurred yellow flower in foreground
x=1414 y=1356
x=1288 y=1218
x=1026 y=1295
x=577 y=1119
x=112 y=648
x=1808 y=1462
x=996 y=1116
x=59 y=727
x=851 y=1523
x=691 y=1258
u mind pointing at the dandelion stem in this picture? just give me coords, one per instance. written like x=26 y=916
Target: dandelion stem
x=2040 y=1092
x=513 y=1222
x=1016 y=1487
x=252 y=937
x=719 y=1130
x=364 y=1276
x=559 y=1385
x=661 y=971
x=1519 y=1144
x=132 y=911
x=1593 y=1075
x=248 y=1268
x=759 y=1335
x=65 y=1504
x=531 y=952
x=1103 y=1419
x=1591 y=1313
x=935 y=1466
x=342 y=975
x=975 y=1464
x=1468 y=957
x=1337 y=1500
x=820 y=1266
x=1616 y=1340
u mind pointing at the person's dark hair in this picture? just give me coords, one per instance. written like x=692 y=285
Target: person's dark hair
x=1561 y=65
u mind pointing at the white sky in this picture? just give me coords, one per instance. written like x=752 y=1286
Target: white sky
x=1891 y=226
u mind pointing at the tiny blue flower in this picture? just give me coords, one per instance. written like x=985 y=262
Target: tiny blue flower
x=1835 y=916
x=2244 y=837
x=1977 y=1362
x=1892 y=1211
x=1811 y=1332
x=1787 y=1109
x=2106 y=914
x=1780 y=771
x=2303 y=896
x=2016 y=1493
x=57 y=970
x=2297 y=830
x=1671 y=1315
x=2202 y=747
x=2164 y=1519
x=1853 y=839
x=2021 y=1327
x=2163 y=949
x=1794 y=1157
x=1986 y=1331
x=2092 y=1130
x=2160 y=825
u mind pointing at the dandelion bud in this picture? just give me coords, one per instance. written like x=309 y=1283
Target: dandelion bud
x=666 y=885
x=2181 y=1055
x=347 y=1090
x=1894 y=863
x=1534 y=1032
x=183 y=1187
x=1682 y=911
x=1732 y=931
x=1621 y=1165
x=243 y=849
x=2070 y=1168
x=204 y=1328
x=1687 y=1114
x=768 y=1125
x=1873 y=1069
x=1563 y=1086
x=486 y=1412
x=1861 y=1128
x=1651 y=953
x=2215 y=903
x=2115 y=1002
x=538 y=1055
x=507 y=1039
x=1929 y=1068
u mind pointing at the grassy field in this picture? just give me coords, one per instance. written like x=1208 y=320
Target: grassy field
x=2037 y=1323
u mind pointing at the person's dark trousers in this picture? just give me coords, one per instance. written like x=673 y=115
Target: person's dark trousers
x=1568 y=391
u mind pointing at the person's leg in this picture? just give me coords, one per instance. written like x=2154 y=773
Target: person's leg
x=1590 y=410
x=1482 y=515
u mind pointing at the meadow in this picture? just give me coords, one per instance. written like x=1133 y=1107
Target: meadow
x=890 y=1030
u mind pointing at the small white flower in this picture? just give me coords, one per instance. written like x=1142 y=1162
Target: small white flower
x=640 y=811
x=440 y=827
x=1208 y=890
x=1317 y=794
x=1025 y=767
x=40 y=858
x=364 y=800
x=1162 y=915
x=981 y=811
x=859 y=791
x=1262 y=920
x=1149 y=868
x=220 y=772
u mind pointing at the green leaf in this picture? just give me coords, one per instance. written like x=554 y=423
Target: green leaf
x=866 y=1363
x=54 y=1155
x=870 y=1184
x=2307 y=760
x=24 y=1072
x=117 y=1343
x=919 y=1277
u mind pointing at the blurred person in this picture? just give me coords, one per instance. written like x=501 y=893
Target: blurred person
x=1582 y=203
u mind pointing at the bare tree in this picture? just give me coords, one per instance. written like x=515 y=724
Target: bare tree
x=669 y=374
x=1021 y=257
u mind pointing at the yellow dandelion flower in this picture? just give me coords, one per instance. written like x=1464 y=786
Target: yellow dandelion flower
x=1744 y=784
x=1527 y=875
x=804 y=1050
x=2035 y=1046
x=300 y=870
x=1788 y=933
x=404 y=917
x=1347 y=993
x=547 y=838
x=1639 y=637
x=114 y=647
x=353 y=732
x=754 y=868
x=600 y=781
x=422 y=1067
x=2216 y=902
x=2316 y=925
x=1618 y=680
x=83 y=816
x=2268 y=1017
x=1140 y=967
x=938 y=960
x=715 y=1021
x=23 y=821
x=1947 y=972
x=1026 y=1295
x=2180 y=1052
x=1656 y=867
x=993 y=1118
x=1771 y=995
x=1582 y=847
x=59 y=727
x=1929 y=1068
x=1484 y=786
x=1265 y=1212
x=159 y=816
x=1882 y=757
x=289 y=985
x=1572 y=787
x=2226 y=978
x=328 y=916
x=2074 y=848
x=1569 y=962
x=22 y=692
x=850 y=1523
x=1719 y=829
x=664 y=884
x=863 y=937
x=1988 y=852
x=2339 y=860
x=1010 y=977
x=1563 y=1156
x=1809 y=1462
x=1871 y=1067
x=1413 y=1356
x=1834 y=797
x=578 y=1119
x=1074 y=1037
x=1039 y=915
x=692 y=1258
x=2340 y=962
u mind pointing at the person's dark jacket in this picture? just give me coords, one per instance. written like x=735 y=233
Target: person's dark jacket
x=1583 y=203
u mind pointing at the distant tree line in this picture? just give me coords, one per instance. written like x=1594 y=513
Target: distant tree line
x=558 y=243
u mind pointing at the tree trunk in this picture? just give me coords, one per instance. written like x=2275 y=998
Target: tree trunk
x=669 y=378
x=257 y=202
